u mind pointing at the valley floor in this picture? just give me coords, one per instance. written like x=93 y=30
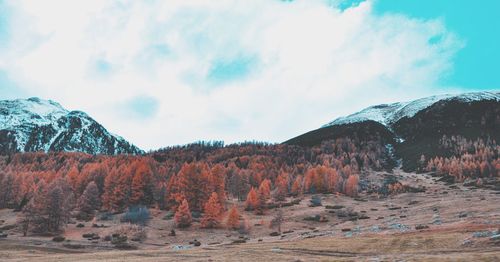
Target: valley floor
x=456 y=223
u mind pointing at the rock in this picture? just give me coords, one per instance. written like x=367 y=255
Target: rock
x=117 y=239
x=196 y=243
x=345 y=229
x=172 y=233
x=107 y=238
x=3 y=235
x=274 y=234
x=239 y=241
x=58 y=239
x=334 y=207
x=394 y=208
x=259 y=240
x=482 y=234
x=495 y=237
x=462 y=215
x=80 y=225
x=288 y=232
x=413 y=203
x=89 y=235
x=420 y=227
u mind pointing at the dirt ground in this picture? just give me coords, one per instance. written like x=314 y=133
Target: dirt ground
x=456 y=223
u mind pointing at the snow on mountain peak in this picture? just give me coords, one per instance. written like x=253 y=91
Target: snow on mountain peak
x=388 y=114
x=35 y=124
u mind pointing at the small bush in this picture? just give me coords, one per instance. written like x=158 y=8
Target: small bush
x=315 y=201
x=135 y=232
x=136 y=215
x=104 y=216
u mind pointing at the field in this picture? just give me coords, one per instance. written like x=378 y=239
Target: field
x=455 y=223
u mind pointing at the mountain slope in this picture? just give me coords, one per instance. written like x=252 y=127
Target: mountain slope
x=414 y=128
x=44 y=125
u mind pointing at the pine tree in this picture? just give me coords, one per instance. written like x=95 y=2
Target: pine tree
x=351 y=186
x=297 y=186
x=265 y=188
x=183 y=216
x=277 y=220
x=233 y=218
x=252 y=201
x=88 y=202
x=142 y=186
x=213 y=211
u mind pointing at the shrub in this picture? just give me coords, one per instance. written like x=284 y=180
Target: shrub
x=315 y=201
x=136 y=215
x=133 y=232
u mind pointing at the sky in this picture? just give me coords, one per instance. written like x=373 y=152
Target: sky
x=161 y=73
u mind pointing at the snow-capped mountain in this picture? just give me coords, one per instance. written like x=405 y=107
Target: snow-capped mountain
x=414 y=128
x=388 y=114
x=33 y=124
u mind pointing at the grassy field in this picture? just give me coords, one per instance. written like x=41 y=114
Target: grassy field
x=433 y=245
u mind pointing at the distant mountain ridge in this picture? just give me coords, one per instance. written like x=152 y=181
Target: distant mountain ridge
x=388 y=114
x=34 y=124
x=414 y=128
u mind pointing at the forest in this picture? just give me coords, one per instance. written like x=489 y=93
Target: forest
x=48 y=189
x=202 y=179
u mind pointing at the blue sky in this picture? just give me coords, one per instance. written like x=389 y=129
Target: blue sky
x=476 y=66
x=171 y=72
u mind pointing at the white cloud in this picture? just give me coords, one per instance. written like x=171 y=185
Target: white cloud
x=309 y=63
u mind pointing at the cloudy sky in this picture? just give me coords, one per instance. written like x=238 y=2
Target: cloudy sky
x=163 y=73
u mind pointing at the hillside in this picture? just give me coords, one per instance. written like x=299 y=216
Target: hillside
x=414 y=128
x=31 y=125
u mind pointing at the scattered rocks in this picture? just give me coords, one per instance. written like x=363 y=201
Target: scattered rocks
x=89 y=235
x=495 y=237
x=58 y=239
x=288 y=232
x=413 y=203
x=239 y=241
x=480 y=234
x=274 y=234
x=316 y=218
x=334 y=207
x=420 y=227
x=394 y=208
x=462 y=214
x=80 y=225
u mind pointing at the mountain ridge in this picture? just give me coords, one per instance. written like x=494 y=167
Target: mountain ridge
x=34 y=124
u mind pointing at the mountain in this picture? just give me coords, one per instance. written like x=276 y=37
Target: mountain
x=414 y=128
x=28 y=125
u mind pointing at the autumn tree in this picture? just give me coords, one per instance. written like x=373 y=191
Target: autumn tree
x=216 y=183
x=233 y=218
x=88 y=202
x=252 y=201
x=265 y=188
x=277 y=220
x=281 y=185
x=183 y=216
x=191 y=183
x=297 y=186
x=142 y=185
x=213 y=212
x=351 y=185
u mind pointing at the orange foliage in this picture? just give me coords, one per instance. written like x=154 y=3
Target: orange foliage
x=183 y=216
x=213 y=212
